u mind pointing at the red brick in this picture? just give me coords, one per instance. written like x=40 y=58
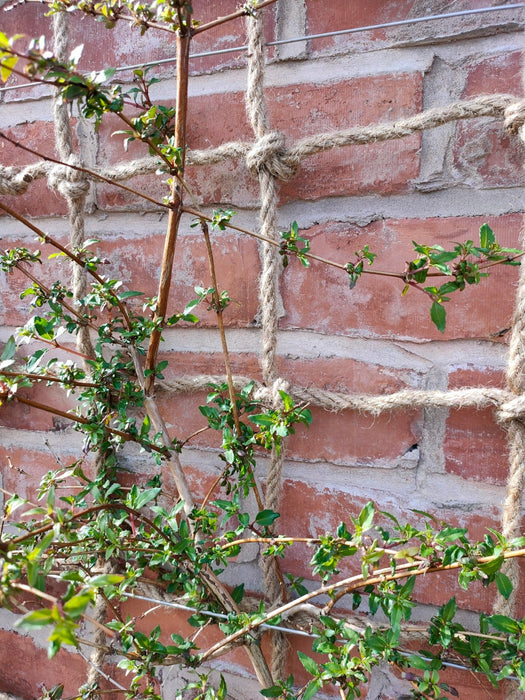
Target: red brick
x=14 y=310
x=39 y=199
x=319 y=510
x=484 y=154
x=491 y=74
x=27 y=679
x=342 y=438
x=23 y=467
x=340 y=15
x=375 y=307
x=475 y=446
x=234 y=255
x=225 y=36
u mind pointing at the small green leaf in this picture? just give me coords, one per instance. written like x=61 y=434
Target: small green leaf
x=38 y=618
x=275 y=691
x=504 y=584
x=308 y=663
x=505 y=624
x=486 y=236
x=438 y=315
x=418 y=662
x=238 y=593
x=9 y=349
x=76 y=605
x=312 y=689
x=266 y=517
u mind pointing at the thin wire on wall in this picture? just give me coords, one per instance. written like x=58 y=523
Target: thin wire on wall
x=307 y=37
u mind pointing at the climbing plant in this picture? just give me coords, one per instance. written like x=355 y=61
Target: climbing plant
x=89 y=542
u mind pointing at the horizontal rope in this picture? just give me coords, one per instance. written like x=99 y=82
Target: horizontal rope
x=509 y=406
x=270 y=152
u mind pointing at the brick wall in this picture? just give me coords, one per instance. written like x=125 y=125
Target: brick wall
x=436 y=187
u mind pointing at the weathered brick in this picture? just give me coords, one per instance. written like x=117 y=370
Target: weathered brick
x=475 y=445
x=37 y=670
x=342 y=438
x=233 y=256
x=340 y=15
x=484 y=154
x=39 y=199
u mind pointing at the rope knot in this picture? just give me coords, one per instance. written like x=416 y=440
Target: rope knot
x=513 y=409
x=269 y=153
x=514 y=117
x=72 y=184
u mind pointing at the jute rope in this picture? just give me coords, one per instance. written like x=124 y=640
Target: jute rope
x=269 y=150
x=512 y=507
x=269 y=303
x=74 y=187
x=69 y=182
x=507 y=405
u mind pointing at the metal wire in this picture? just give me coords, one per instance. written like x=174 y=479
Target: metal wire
x=286 y=630
x=308 y=37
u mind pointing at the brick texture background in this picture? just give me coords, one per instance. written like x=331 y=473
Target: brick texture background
x=438 y=187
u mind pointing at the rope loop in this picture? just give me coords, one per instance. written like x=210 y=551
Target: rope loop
x=269 y=154
x=512 y=410
x=71 y=183
x=14 y=181
x=279 y=385
x=514 y=117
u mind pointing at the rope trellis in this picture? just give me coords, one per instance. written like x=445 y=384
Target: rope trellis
x=270 y=158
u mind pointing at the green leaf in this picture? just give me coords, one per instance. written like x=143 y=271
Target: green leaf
x=6 y=67
x=106 y=580
x=9 y=349
x=275 y=691
x=438 y=315
x=238 y=593
x=366 y=516
x=418 y=662
x=490 y=567
x=504 y=624
x=128 y=295
x=486 y=236
x=504 y=584
x=308 y=663
x=38 y=618
x=262 y=419
x=266 y=517
x=76 y=605
x=312 y=689
x=449 y=610
x=146 y=497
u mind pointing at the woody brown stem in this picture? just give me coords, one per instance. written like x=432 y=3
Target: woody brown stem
x=183 y=51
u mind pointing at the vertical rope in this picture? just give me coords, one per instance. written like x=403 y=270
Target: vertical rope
x=512 y=505
x=74 y=187
x=268 y=297
x=71 y=183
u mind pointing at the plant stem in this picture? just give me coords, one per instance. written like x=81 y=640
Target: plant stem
x=46 y=378
x=166 y=272
x=234 y=15
x=220 y=323
x=72 y=256
x=350 y=584
x=85 y=421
